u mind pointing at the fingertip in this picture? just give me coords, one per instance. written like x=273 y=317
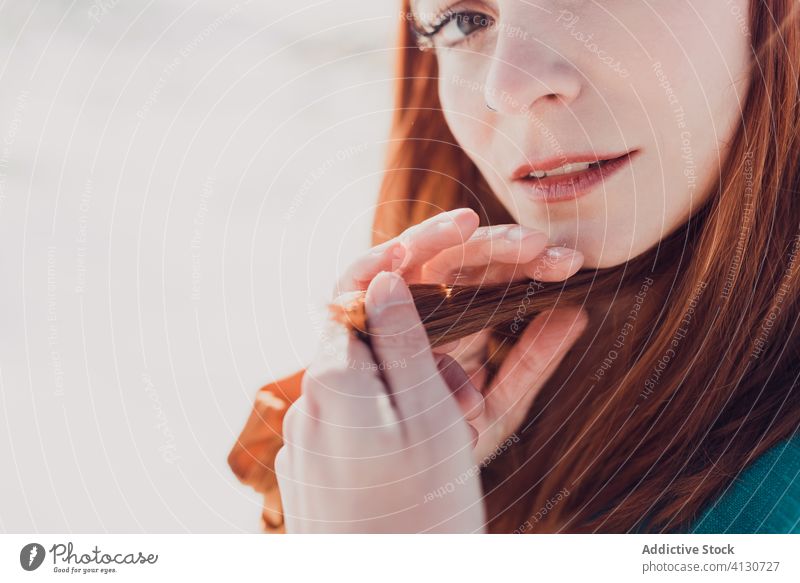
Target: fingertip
x=469 y=216
x=556 y=264
x=574 y=263
x=393 y=321
x=465 y=220
x=387 y=256
x=468 y=222
x=387 y=289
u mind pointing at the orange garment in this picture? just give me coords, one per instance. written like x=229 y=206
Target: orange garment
x=252 y=458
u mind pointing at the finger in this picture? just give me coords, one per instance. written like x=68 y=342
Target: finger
x=272 y=509
x=532 y=360
x=513 y=244
x=343 y=384
x=410 y=249
x=468 y=397
x=424 y=241
x=397 y=336
x=385 y=257
x=555 y=264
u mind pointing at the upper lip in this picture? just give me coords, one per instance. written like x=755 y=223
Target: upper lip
x=547 y=164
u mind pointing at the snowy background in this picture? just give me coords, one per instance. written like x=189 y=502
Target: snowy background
x=179 y=183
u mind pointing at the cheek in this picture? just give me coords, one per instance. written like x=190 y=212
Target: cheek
x=693 y=94
x=462 y=98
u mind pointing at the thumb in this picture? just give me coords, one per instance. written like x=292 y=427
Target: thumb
x=532 y=360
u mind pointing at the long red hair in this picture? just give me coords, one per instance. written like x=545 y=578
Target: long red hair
x=650 y=417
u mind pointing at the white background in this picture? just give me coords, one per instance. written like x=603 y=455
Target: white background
x=179 y=183
x=401 y=558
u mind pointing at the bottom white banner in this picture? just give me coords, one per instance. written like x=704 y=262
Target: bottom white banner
x=118 y=558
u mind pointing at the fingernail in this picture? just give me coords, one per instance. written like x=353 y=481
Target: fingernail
x=559 y=253
x=519 y=233
x=388 y=289
x=452 y=215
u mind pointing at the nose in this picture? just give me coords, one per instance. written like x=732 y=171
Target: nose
x=526 y=73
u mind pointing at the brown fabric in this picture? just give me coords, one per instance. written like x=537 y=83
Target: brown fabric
x=252 y=458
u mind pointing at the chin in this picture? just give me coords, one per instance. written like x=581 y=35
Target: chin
x=599 y=252
x=598 y=255
x=600 y=262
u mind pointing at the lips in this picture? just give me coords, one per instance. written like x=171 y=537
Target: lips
x=567 y=178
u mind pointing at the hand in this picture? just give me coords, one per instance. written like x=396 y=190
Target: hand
x=450 y=247
x=371 y=438
x=524 y=371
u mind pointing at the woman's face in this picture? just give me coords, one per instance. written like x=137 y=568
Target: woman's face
x=609 y=119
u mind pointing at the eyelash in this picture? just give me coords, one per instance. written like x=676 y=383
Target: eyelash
x=426 y=37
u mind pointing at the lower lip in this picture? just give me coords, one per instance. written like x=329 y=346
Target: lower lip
x=571 y=186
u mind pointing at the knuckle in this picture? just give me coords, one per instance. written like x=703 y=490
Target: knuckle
x=412 y=232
